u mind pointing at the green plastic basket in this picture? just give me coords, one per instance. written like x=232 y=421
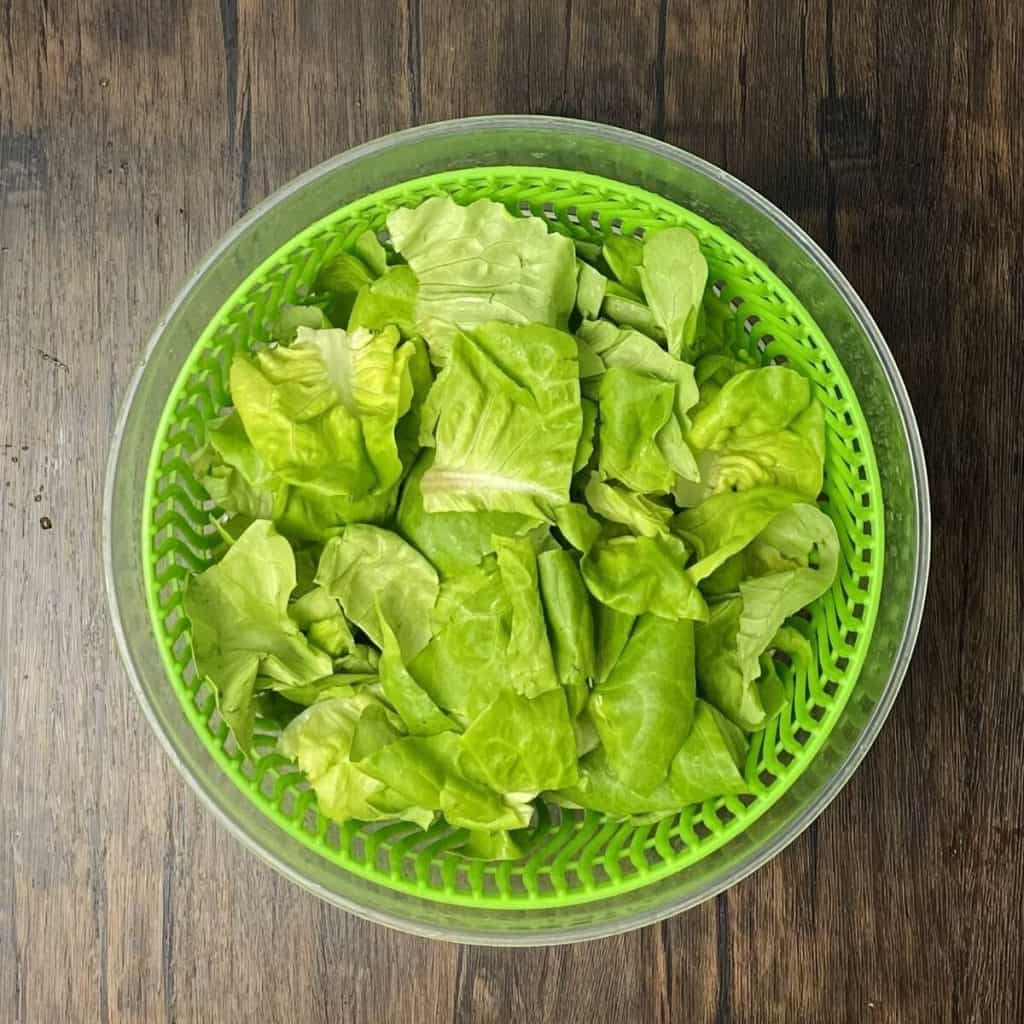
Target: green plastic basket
x=574 y=857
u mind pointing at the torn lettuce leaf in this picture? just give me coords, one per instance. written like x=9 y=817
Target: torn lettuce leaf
x=711 y=760
x=585 y=447
x=624 y=256
x=239 y=482
x=490 y=633
x=320 y=617
x=570 y=624
x=673 y=275
x=521 y=745
x=376 y=575
x=531 y=669
x=590 y=289
x=762 y=428
x=724 y=524
x=792 y=562
x=628 y=349
x=644 y=709
x=322 y=412
x=241 y=628
x=422 y=717
x=388 y=301
x=720 y=678
x=634 y=410
x=291 y=318
x=452 y=541
x=635 y=575
x=478 y=263
x=506 y=422
x=617 y=504
x=577 y=526
x=789 y=564
x=612 y=630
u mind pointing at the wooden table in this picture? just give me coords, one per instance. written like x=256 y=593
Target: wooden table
x=133 y=133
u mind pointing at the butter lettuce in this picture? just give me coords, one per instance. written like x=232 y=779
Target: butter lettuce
x=520 y=744
x=570 y=623
x=478 y=263
x=644 y=709
x=618 y=504
x=789 y=564
x=499 y=517
x=673 y=276
x=507 y=423
x=762 y=428
x=634 y=575
x=240 y=483
x=634 y=411
x=322 y=412
x=379 y=578
x=452 y=541
x=241 y=628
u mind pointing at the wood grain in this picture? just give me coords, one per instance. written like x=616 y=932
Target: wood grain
x=133 y=133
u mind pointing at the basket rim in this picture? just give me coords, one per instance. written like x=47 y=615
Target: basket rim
x=921 y=555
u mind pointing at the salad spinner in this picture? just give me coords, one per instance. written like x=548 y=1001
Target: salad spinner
x=585 y=875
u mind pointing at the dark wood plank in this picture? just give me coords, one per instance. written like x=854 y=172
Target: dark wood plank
x=133 y=134
x=486 y=58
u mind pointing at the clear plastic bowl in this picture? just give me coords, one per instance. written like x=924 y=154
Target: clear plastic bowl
x=690 y=182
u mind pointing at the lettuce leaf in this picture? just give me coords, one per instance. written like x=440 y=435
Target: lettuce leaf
x=634 y=410
x=790 y=563
x=719 y=675
x=320 y=617
x=577 y=525
x=361 y=765
x=333 y=743
x=590 y=288
x=241 y=628
x=506 y=421
x=726 y=523
x=388 y=301
x=628 y=310
x=570 y=624
x=585 y=447
x=612 y=630
x=644 y=709
x=239 y=482
x=793 y=561
x=378 y=577
x=710 y=762
x=631 y=350
x=627 y=349
x=291 y=318
x=478 y=263
x=472 y=805
x=531 y=668
x=521 y=745
x=624 y=255
x=762 y=428
x=634 y=575
x=422 y=717
x=641 y=514
x=452 y=541
x=490 y=633
x=673 y=275
x=322 y=412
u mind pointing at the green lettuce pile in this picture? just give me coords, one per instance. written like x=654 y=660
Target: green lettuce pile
x=505 y=518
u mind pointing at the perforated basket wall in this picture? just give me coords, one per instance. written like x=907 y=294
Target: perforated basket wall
x=574 y=857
